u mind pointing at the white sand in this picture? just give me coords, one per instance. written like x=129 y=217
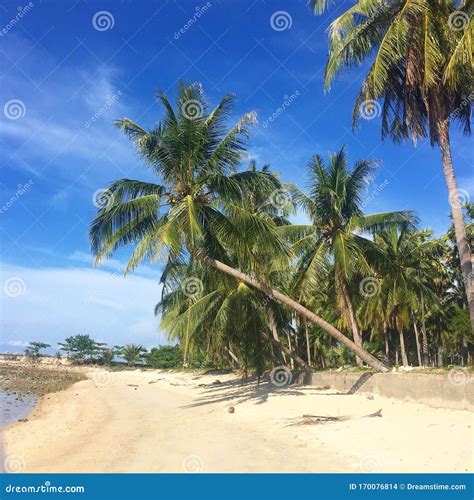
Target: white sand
x=169 y=424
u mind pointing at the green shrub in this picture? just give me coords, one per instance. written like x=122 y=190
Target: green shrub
x=165 y=356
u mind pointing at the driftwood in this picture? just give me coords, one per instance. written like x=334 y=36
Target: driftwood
x=322 y=419
x=378 y=413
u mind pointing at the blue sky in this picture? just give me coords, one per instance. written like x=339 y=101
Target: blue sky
x=69 y=69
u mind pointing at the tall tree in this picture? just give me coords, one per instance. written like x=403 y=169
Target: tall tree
x=196 y=212
x=338 y=224
x=421 y=53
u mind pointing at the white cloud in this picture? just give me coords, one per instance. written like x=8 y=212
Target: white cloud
x=58 y=302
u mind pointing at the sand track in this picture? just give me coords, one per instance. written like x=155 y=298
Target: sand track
x=107 y=424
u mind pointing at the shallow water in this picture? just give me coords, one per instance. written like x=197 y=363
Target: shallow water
x=15 y=405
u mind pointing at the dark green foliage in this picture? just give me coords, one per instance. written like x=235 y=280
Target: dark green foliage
x=165 y=356
x=82 y=348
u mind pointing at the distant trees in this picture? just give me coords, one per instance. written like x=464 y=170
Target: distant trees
x=82 y=348
x=34 y=349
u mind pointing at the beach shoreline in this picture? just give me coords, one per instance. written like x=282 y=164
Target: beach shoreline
x=157 y=421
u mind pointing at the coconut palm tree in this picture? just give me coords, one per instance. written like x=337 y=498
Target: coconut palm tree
x=409 y=264
x=196 y=212
x=337 y=227
x=132 y=353
x=421 y=54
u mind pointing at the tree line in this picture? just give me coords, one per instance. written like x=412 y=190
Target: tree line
x=83 y=349
x=244 y=286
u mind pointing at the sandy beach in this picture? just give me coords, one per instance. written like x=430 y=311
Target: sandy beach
x=151 y=421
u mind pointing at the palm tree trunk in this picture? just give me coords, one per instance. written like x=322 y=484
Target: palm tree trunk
x=273 y=327
x=424 y=344
x=402 y=348
x=308 y=347
x=387 y=345
x=292 y=364
x=375 y=363
x=350 y=311
x=458 y=218
x=299 y=361
x=418 y=351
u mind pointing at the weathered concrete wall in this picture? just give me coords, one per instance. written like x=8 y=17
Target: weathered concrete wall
x=454 y=390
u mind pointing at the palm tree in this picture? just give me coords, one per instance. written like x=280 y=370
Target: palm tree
x=407 y=270
x=196 y=212
x=335 y=233
x=422 y=70
x=132 y=353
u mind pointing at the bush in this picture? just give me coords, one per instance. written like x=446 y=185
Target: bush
x=165 y=356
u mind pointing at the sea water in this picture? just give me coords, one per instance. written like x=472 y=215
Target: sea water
x=15 y=406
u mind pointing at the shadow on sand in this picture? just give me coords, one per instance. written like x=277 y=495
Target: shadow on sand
x=239 y=391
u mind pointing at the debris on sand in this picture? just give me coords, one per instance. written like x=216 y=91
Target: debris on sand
x=378 y=413
x=231 y=409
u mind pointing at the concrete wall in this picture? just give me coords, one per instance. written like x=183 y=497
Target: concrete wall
x=451 y=390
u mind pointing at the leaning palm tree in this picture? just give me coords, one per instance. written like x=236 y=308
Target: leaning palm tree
x=196 y=213
x=336 y=231
x=421 y=52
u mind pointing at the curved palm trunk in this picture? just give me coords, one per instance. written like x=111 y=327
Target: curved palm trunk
x=458 y=219
x=350 y=311
x=306 y=313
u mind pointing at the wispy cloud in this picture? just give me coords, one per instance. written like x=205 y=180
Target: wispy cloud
x=52 y=303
